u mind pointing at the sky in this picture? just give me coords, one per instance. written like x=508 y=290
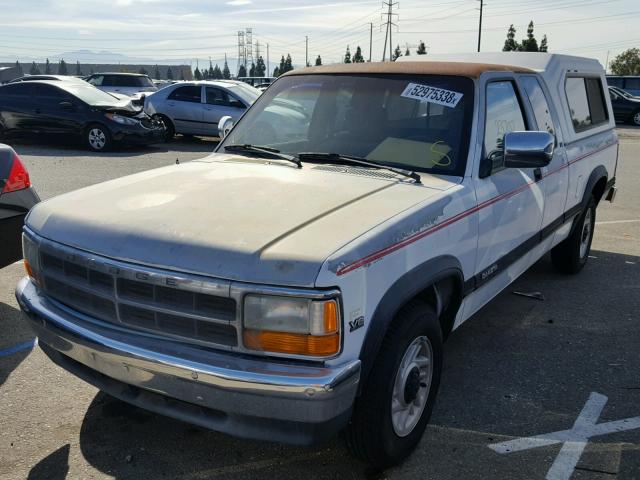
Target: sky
x=192 y=31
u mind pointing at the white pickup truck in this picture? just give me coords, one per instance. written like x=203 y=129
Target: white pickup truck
x=301 y=281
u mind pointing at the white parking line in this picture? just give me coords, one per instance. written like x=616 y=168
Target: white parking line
x=574 y=440
x=611 y=222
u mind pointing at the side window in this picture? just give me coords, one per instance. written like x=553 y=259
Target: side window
x=503 y=115
x=215 y=96
x=189 y=93
x=632 y=83
x=48 y=92
x=96 y=80
x=597 y=105
x=539 y=104
x=16 y=89
x=109 y=81
x=586 y=102
x=615 y=81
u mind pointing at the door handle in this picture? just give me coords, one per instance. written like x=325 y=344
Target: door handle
x=537 y=173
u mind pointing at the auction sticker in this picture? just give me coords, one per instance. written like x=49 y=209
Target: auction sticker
x=424 y=93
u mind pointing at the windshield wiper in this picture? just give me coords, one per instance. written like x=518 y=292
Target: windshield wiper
x=338 y=158
x=268 y=151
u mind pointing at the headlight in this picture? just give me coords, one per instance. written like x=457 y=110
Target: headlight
x=296 y=326
x=31 y=258
x=122 y=120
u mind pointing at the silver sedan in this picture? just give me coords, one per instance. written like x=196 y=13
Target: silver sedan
x=195 y=108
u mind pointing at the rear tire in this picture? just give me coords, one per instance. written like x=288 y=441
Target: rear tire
x=98 y=138
x=393 y=411
x=571 y=255
x=635 y=118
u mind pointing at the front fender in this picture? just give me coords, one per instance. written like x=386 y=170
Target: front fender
x=404 y=289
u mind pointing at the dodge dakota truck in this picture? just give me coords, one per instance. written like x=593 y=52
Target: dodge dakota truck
x=301 y=281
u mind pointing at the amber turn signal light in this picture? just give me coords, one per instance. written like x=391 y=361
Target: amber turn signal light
x=292 y=343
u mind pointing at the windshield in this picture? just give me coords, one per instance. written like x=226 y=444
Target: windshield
x=90 y=94
x=416 y=122
x=247 y=94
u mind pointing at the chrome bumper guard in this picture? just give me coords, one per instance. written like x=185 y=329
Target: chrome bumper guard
x=246 y=397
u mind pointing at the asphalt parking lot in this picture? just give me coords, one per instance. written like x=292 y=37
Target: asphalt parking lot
x=519 y=368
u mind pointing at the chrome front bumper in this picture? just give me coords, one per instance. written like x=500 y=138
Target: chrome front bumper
x=242 y=396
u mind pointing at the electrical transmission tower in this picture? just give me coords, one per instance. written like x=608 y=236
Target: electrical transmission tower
x=242 y=55
x=390 y=4
x=248 y=48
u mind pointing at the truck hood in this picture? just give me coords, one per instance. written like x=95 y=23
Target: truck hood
x=230 y=217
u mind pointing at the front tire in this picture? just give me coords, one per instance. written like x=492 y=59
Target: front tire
x=393 y=411
x=98 y=138
x=571 y=255
x=169 y=128
x=635 y=118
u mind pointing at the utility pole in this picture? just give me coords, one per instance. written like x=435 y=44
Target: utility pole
x=606 y=64
x=268 y=66
x=480 y=25
x=370 y=39
x=306 y=50
x=388 y=33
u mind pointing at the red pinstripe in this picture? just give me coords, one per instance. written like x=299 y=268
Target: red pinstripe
x=439 y=226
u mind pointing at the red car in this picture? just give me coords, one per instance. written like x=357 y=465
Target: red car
x=17 y=196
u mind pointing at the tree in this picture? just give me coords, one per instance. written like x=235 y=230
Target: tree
x=226 y=73
x=288 y=63
x=156 y=73
x=347 y=56
x=182 y=74
x=242 y=71
x=169 y=74
x=47 y=67
x=276 y=72
x=143 y=71
x=62 y=67
x=252 y=70
x=357 y=57
x=34 y=70
x=197 y=74
x=530 y=44
x=217 y=73
x=627 y=63
x=407 y=52
x=543 y=44
x=210 y=72
x=510 y=44
x=422 y=48
x=397 y=53
x=19 y=69
x=78 y=69
x=318 y=61
x=261 y=68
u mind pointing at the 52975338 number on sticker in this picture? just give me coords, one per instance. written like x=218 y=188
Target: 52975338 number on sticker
x=425 y=93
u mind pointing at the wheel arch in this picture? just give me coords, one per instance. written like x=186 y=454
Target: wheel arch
x=439 y=281
x=596 y=185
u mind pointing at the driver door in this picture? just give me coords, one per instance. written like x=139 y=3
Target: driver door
x=510 y=200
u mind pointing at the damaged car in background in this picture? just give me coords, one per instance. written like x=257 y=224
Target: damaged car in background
x=48 y=108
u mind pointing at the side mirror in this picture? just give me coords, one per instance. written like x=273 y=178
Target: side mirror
x=67 y=106
x=224 y=126
x=528 y=149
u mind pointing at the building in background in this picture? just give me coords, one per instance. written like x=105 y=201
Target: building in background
x=157 y=72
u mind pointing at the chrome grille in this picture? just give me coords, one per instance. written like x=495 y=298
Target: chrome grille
x=164 y=303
